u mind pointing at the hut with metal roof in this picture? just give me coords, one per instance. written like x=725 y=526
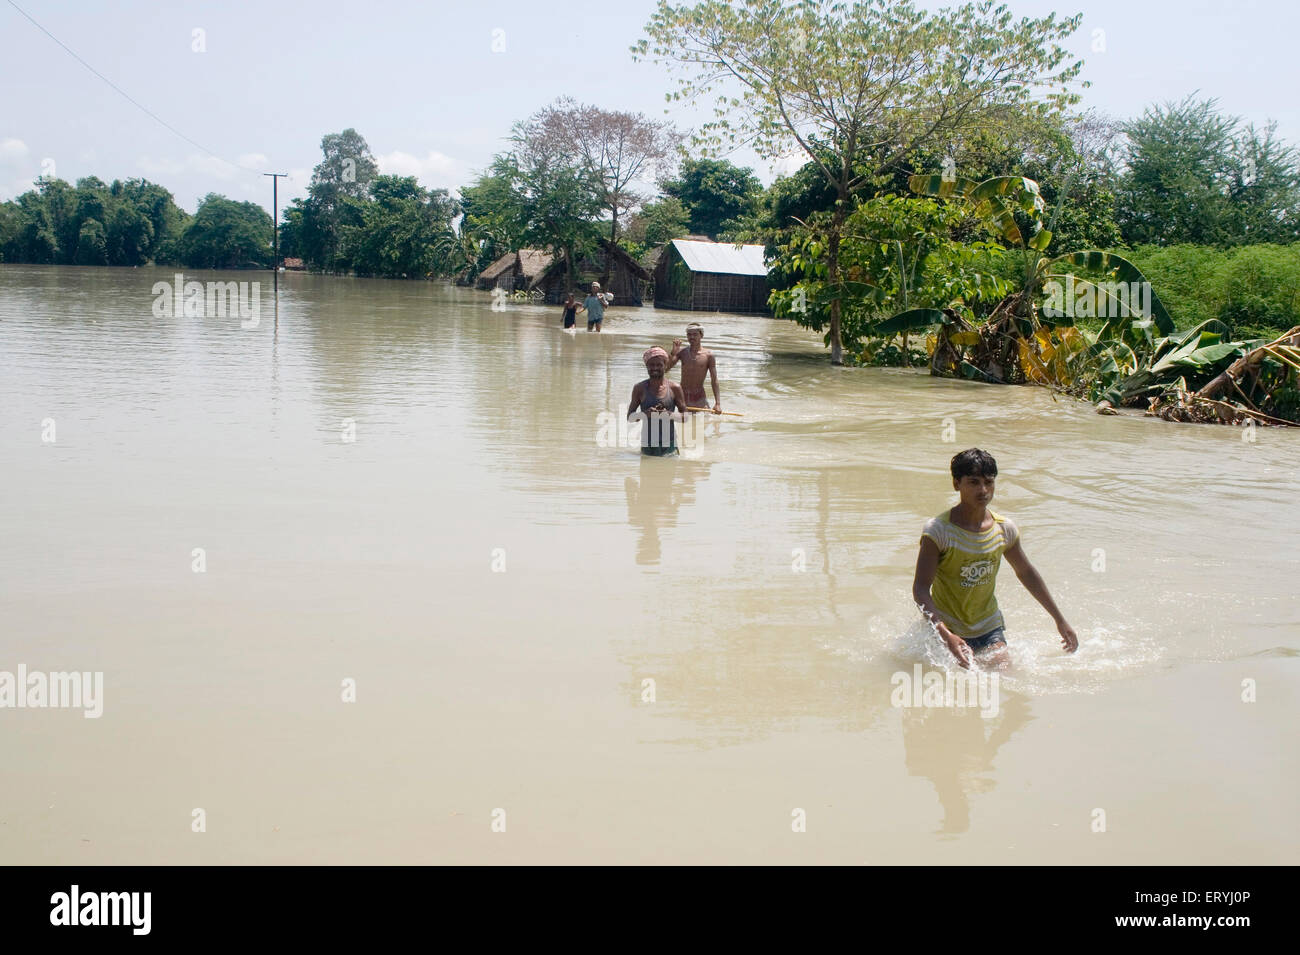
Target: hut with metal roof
x=699 y=276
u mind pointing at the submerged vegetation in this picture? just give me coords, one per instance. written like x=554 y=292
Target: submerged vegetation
x=998 y=309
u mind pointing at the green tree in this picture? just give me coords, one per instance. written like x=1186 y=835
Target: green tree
x=898 y=254
x=347 y=167
x=1195 y=175
x=494 y=215
x=1264 y=188
x=31 y=235
x=400 y=228
x=129 y=235
x=132 y=221
x=339 y=188
x=154 y=202
x=559 y=198
x=617 y=150
x=92 y=248
x=60 y=202
x=784 y=206
x=857 y=87
x=225 y=234
x=658 y=222
x=714 y=192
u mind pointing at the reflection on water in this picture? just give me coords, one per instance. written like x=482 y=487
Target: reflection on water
x=662 y=487
x=954 y=748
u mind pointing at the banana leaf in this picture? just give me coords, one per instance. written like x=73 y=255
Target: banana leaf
x=913 y=320
x=1123 y=271
x=1023 y=192
x=940 y=187
x=1212 y=325
x=998 y=212
x=1198 y=351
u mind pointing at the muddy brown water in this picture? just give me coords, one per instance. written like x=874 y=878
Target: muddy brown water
x=393 y=487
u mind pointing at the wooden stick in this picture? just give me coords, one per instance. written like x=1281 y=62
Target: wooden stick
x=710 y=411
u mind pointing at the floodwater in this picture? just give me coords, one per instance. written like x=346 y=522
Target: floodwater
x=392 y=492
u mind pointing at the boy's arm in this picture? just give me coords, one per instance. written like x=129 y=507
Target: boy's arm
x=1033 y=581
x=673 y=353
x=927 y=564
x=635 y=406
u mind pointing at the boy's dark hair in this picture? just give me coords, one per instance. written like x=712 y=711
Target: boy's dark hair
x=974 y=462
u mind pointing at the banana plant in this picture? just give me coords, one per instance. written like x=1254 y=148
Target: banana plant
x=1048 y=353
x=1197 y=354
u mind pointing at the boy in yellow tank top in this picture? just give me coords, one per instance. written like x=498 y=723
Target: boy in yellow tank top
x=957 y=568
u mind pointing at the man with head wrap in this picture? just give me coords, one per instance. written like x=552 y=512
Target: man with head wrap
x=657 y=400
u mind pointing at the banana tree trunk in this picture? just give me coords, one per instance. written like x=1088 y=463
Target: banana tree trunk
x=1238 y=369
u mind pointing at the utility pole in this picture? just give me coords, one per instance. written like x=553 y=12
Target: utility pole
x=275 y=227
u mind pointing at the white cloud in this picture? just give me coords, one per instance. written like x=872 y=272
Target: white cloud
x=208 y=166
x=252 y=160
x=16 y=169
x=12 y=151
x=16 y=188
x=435 y=170
x=295 y=187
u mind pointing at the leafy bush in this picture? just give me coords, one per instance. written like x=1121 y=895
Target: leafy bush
x=1254 y=289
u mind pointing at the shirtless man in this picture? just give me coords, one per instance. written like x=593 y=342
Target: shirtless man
x=695 y=362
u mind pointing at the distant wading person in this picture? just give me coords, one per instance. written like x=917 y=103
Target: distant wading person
x=696 y=361
x=958 y=566
x=594 y=306
x=658 y=401
x=570 y=311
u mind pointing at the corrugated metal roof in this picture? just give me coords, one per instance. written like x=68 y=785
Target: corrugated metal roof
x=721 y=257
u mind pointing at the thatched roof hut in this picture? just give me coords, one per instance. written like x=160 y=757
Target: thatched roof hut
x=533 y=264
x=516 y=271
x=609 y=264
x=499 y=274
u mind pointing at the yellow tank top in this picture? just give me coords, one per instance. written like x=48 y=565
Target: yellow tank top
x=968 y=569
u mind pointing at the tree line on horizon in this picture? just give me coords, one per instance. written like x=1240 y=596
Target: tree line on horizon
x=574 y=175
x=1182 y=174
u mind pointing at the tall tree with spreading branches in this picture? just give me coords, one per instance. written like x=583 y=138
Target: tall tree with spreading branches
x=857 y=87
x=619 y=150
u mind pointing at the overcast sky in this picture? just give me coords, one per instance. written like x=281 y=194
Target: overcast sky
x=263 y=81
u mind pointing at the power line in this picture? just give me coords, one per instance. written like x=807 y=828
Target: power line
x=125 y=95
